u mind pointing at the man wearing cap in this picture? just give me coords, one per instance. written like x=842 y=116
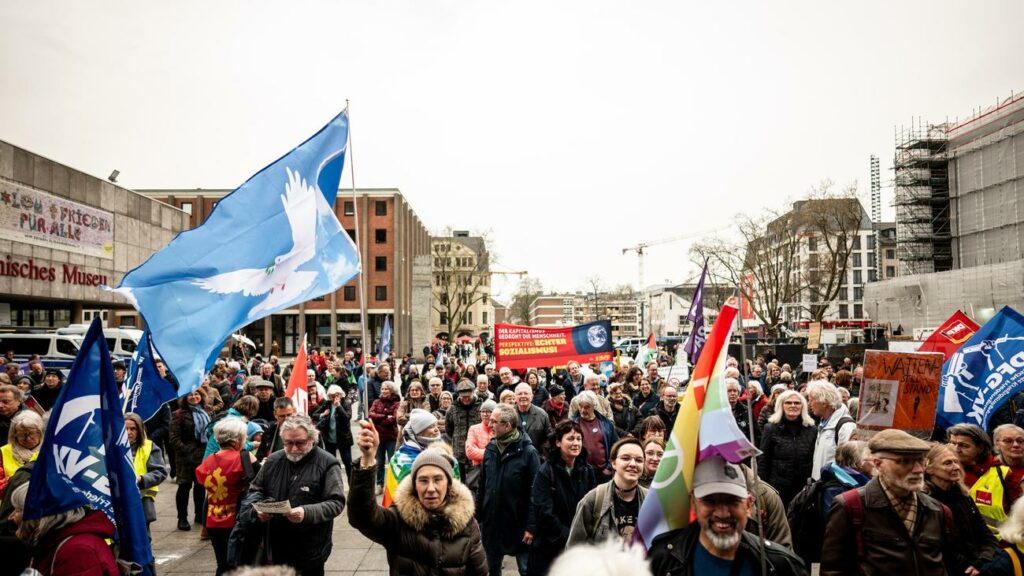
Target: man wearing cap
x=464 y=412
x=889 y=526
x=717 y=543
x=556 y=407
x=267 y=373
x=264 y=390
x=534 y=420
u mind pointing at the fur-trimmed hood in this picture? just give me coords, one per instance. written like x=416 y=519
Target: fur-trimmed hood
x=450 y=520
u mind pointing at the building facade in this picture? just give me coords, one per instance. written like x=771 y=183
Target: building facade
x=390 y=237
x=980 y=165
x=64 y=234
x=460 y=286
x=622 y=310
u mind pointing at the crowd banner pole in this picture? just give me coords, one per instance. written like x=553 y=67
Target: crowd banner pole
x=362 y=270
x=750 y=427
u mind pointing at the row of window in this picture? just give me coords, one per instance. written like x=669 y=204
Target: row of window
x=812 y=243
x=380 y=293
x=380 y=208
x=467 y=317
x=380 y=235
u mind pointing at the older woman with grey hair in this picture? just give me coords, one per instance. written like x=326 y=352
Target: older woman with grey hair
x=24 y=439
x=72 y=542
x=225 y=474
x=837 y=426
x=787 y=446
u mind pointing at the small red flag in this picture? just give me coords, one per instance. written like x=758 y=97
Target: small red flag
x=949 y=337
x=297 y=383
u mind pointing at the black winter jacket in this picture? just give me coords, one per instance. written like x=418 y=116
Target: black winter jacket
x=672 y=553
x=787 y=455
x=314 y=483
x=975 y=543
x=556 y=493
x=188 y=450
x=504 y=493
x=342 y=423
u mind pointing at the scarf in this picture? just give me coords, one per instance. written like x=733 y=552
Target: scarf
x=201 y=421
x=507 y=440
x=22 y=454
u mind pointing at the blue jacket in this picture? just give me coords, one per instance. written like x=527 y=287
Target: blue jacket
x=504 y=492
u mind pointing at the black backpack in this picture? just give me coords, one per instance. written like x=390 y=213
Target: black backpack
x=806 y=515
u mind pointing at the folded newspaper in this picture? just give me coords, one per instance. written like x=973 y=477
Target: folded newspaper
x=271 y=507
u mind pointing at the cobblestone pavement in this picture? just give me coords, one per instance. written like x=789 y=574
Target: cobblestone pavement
x=181 y=553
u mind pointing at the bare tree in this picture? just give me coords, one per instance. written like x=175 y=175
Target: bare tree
x=762 y=264
x=829 y=222
x=519 y=310
x=461 y=278
x=595 y=289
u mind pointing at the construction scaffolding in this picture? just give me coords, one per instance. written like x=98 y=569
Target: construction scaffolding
x=923 y=237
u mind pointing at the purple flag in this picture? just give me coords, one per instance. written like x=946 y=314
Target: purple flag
x=695 y=342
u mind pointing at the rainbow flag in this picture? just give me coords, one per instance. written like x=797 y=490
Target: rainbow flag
x=705 y=427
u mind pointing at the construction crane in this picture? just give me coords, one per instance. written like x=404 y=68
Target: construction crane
x=641 y=249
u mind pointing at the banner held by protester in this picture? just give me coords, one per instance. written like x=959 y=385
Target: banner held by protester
x=951 y=335
x=85 y=459
x=532 y=347
x=901 y=390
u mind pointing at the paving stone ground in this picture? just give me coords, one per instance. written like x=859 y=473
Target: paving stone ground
x=181 y=553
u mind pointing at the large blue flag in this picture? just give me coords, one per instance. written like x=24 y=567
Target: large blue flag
x=984 y=373
x=147 y=389
x=698 y=336
x=385 y=341
x=272 y=243
x=85 y=459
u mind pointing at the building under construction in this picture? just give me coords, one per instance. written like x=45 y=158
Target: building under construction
x=959 y=218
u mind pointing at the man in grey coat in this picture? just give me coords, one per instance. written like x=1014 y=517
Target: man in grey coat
x=533 y=419
x=310 y=479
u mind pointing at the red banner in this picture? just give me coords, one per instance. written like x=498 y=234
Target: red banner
x=949 y=337
x=532 y=347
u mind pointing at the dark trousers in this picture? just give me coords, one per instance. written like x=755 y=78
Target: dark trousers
x=385 y=450
x=346 y=457
x=198 y=497
x=219 y=539
x=494 y=558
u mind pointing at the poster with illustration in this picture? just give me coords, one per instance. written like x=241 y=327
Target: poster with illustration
x=901 y=390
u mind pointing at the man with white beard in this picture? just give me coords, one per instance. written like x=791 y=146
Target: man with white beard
x=309 y=478
x=717 y=542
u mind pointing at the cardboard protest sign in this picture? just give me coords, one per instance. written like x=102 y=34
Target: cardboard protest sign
x=901 y=390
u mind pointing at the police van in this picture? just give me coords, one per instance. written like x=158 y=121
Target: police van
x=54 y=350
x=121 y=341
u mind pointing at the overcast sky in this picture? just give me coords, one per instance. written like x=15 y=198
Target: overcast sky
x=568 y=130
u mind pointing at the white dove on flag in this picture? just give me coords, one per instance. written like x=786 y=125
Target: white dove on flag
x=281 y=279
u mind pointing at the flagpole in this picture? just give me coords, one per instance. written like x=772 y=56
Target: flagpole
x=750 y=426
x=362 y=270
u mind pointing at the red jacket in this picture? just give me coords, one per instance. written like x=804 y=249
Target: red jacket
x=222 y=475
x=79 y=549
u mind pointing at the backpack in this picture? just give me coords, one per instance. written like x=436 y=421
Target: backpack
x=839 y=425
x=855 y=505
x=806 y=515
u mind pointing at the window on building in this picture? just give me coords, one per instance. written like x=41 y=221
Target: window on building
x=844 y=311
x=380 y=236
x=890 y=271
x=350 y=293
x=842 y=293
x=856 y=260
x=469 y=317
x=871 y=242
x=484 y=302
x=351 y=233
x=443 y=298
x=872 y=275
x=483 y=320
x=380 y=208
x=856 y=242
x=812 y=243
x=350 y=208
x=858 y=278
x=871 y=260
x=858 y=311
x=380 y=293
x=890 y=253
x=444 y=318
x=858 y=293
x=380 y=263
x=186 y=207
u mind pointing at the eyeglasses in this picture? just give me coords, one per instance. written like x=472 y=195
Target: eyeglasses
x=905 y=461
x=1017 y=441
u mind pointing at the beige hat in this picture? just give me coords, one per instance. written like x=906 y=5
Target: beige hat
x=897 y=442
x=716 y=476
x=433 y=457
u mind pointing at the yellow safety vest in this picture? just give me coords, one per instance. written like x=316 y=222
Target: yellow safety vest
x=11 y=463
x=988 y=493
x=141 y=459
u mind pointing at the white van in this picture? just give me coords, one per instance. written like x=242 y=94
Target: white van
x=55 y=350
x=121 y=341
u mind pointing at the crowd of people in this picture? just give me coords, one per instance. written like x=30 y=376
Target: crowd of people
x=460 y=464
